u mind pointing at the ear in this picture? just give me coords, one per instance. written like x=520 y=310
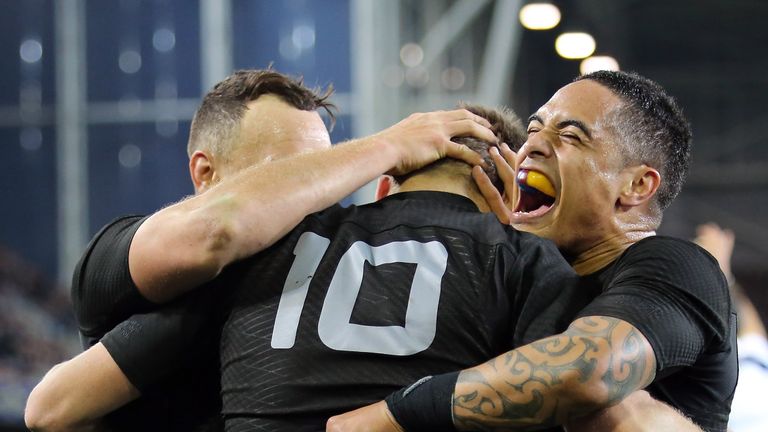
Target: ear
x=384 y=187
x=640 y=186
x=202 y=171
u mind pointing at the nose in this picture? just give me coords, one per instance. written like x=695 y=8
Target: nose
x=538 y=146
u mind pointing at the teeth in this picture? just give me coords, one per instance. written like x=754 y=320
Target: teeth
x=528 y=180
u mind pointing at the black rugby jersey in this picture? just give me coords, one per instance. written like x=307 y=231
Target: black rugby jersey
x=151 y=344
x=673 y=291
x=357 y=302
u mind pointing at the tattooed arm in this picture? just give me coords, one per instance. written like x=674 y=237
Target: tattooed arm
x=596 y=363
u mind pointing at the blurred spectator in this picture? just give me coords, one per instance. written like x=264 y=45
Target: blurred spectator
x=748 y=413
x=36 y=330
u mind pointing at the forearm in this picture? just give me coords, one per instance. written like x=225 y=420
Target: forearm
x=75 y=394
x=280 y=194
x=596 y=363
x=189 y=243
x=637 y=413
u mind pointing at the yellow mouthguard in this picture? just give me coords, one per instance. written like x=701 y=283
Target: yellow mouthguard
x=541 y=183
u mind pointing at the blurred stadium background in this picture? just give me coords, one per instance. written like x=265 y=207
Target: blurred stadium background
x=96 y=97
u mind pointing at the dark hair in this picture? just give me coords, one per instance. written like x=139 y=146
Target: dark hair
x=217 y=120
x=504 y=123
x=651 y=127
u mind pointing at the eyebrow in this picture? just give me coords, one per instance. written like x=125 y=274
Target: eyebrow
x=535 y=117
x=577 y=124
x=564 y=123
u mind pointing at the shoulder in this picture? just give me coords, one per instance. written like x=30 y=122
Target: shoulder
x=101 y=280
x=117 y=227
x=670 y=249
x=112 y=239
x=668 y=258
x=672 y=267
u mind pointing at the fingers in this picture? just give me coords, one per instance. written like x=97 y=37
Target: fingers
x=506 y=172
x=509 y=155
x=468 y=127
x=491 y=195
x=714 y=231
x=464 y=153
x=730 y=236
x=463 y=114
x=373 y=418
x=707 y=228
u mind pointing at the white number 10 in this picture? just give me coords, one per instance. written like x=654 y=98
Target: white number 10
x=334 y=326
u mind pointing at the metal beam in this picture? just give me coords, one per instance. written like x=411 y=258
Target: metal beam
x=452 y=25
x=215 y=42
x=132 y=111
x=152 y=110
x=375 y=46
x=501 y=52
x=71 y=134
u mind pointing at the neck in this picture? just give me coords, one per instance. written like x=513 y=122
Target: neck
x=607 y=251
x=445 y=183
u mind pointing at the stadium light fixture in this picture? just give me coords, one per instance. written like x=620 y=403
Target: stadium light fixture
x=596 y=63
x=539 y=16
x=575 y=45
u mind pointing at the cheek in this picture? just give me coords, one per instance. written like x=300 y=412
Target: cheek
x=588 y=193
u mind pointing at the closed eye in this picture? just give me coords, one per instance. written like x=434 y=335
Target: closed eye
x=571 y=136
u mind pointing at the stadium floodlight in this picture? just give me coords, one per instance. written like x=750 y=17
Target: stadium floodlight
x=539 y=16
x=597 y=63
x=575 y=45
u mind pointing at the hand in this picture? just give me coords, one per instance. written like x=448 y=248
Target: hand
x=506 y=166
x=717 y=241
x=421 y=139
x=371 y=418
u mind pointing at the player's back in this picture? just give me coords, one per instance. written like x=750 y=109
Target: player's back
x=357 y=302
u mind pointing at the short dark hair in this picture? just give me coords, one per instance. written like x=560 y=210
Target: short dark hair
x=217 y=120
x=508 y=129
x=652 y=128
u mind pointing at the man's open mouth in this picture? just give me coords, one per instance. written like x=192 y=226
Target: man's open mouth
x=537 y=194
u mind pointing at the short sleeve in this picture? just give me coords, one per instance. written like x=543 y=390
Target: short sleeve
x=103 y=292
x=149 y=346
x=674 y=293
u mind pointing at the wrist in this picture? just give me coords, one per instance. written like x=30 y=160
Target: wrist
x=425 y=405
x=378 y=153
x=386 y=151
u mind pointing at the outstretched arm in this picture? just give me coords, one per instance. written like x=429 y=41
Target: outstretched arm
x=594 y=364
x=74 y=394
x=188 y=243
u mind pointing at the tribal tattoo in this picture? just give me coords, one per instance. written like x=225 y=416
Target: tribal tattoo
x=596 y=363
